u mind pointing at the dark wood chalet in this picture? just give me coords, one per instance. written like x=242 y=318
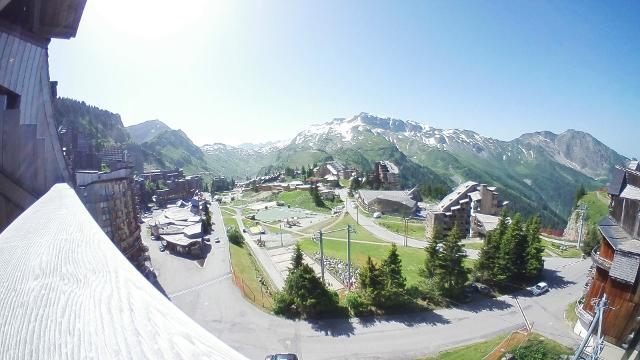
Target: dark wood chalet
x=616 y=262
x=31 y=159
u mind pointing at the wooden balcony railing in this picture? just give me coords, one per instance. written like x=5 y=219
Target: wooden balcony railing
x=600 y=261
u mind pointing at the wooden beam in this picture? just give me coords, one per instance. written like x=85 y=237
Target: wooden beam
x=15 y=193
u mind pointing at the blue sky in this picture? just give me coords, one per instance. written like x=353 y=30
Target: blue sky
x=252 y=71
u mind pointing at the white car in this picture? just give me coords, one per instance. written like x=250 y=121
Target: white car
x=540 y=288
x=377 y=215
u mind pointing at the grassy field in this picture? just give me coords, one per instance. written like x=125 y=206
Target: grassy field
x=474 y=246
x=246 y=267
x=479 y=350
x=597 y=205
x=302 y=199
x=361 y=234
x=412 y=258
x=470 y=352
x=568 y=252
x=570 y=313
x=415 y=230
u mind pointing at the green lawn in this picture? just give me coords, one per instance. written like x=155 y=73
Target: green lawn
x=570 y=313
x=412 y=258
x=360 y=234
x=470 y=352
x=474 y=246
x=597 y=205
x=477 y=351
x=245 y=267
x=415 y=229
x=302 y=199
x=569 y=252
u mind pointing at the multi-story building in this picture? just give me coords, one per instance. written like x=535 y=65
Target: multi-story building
x=109 y=197
x=181 y=189
x=31 y=160
x=388 y=173
x=471 y=206
x=615 y=264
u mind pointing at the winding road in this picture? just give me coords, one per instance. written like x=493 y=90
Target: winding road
x=208 y=295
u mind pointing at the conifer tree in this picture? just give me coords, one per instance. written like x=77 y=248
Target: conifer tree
x=451 y=273
x=394 y=282
x=535 y=249
x=296 y=258
x=371 y=283
x=431 y=252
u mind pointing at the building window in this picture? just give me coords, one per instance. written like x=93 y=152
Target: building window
x=12 y=100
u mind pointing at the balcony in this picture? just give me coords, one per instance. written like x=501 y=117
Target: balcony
x=600 y=261
x=583 y=315
x=58 y=255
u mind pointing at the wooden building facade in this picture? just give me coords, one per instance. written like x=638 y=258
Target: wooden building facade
x=616 y=263
x=31 y=158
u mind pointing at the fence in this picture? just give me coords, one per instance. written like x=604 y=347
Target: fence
x=514 y=340
x=263 y=299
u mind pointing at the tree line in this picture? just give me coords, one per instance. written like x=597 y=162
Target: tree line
x=511 y=255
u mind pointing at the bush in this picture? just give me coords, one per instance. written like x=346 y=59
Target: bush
x=234 y=235
x=534 y=350
x=356 y=303
x=430 y=291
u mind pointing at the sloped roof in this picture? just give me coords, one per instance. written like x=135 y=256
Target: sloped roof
x=630 y=192
x=617 y=179
x=391 y=195
x=625 y=266
x=617 y=237
x=455 y=194
x=68 y=292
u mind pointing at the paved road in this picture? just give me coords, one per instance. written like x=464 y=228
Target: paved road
x=211 y=299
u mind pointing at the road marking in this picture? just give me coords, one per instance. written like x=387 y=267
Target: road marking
x=200 y=286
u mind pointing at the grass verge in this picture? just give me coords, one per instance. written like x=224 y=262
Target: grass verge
x=246 y=268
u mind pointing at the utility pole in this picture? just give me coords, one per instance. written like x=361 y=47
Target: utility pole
x=598 y=342
x=321 y=256
x=406 y=229
x=349 y=257
x=357 y=214
x=281 y=243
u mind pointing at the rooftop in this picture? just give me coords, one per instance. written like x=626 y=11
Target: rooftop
x=67 y=291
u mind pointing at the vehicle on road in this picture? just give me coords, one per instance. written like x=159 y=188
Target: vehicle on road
x=216 y=239
x=281 y=357
x=377 y=215
x=540 y=288
x=482 y=288
x=162 y=248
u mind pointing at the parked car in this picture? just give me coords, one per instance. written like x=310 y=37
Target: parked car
x=540 y=288
x=377 y=215
x=161 y=247
x=482 y=288
x=281 y=357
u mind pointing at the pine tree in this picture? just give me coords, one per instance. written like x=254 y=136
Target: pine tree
x=395 y=283
x=580 y=192
x=296 y=258
x=303 y=172
x=371 y=282
x=505 y=267
x=304 y=295
x=520 y=247
x=486 y=265
x=451 y=273
x=431 y=252
x=535 y=249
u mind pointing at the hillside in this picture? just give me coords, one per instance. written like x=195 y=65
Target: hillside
x=146 y=131
x=537 y=172
x=238 y=162
x=173 y=149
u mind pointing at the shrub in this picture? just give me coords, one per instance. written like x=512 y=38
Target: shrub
x=235 y=237
x=356 y=303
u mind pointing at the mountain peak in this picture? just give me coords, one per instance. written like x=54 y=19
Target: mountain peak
x=147 y=130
